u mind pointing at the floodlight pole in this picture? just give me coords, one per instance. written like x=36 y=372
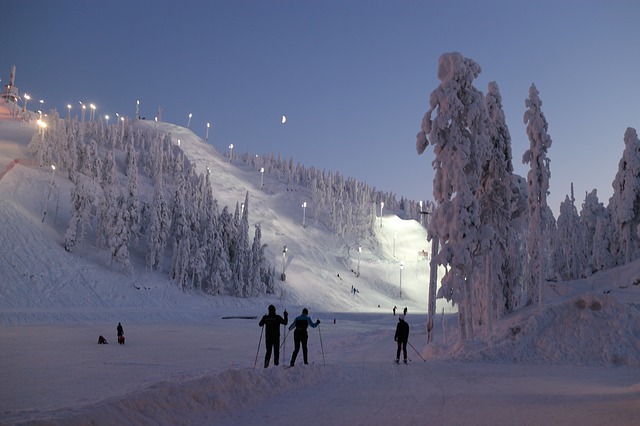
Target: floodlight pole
x=261 y=177
x=283 y=277
x=44 y=214
x=26 y=99
x=395 y=234
x=401 y=266
x=304 y=208
x=381 y=207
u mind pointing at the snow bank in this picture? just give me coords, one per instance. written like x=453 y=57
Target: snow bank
x=591 y=329
x=207 y=398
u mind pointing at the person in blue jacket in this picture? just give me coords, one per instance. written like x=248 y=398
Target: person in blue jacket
x=300 y=335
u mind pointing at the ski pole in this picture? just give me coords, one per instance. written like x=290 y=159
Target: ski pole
x=284 y=343
x=285 y=339
x=258 y=351
x=416 y=351
x=321 y=346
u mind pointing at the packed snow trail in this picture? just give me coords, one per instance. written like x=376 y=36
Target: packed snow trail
x=201 y=373
x=436 y=393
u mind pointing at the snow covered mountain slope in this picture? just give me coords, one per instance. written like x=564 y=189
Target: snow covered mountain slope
x=320 y=267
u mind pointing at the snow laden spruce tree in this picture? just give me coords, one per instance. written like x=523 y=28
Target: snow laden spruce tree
x=598 y=234
x=495 y=198
x=457 y=125
x=569 y=250
x=625 y=201
x=538 y=182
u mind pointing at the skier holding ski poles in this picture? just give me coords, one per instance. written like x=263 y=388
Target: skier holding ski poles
x=300 y=336
x=402 y=337
x=272 y=322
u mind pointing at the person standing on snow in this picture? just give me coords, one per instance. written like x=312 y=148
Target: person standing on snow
x=402 y=337
x=272 y=322
x=300 y=335
x=120 y=332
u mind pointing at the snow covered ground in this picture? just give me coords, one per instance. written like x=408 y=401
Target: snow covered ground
x=575 y=360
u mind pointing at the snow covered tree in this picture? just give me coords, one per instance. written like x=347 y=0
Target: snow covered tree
x=180 y=231
x=218 y=259
x=215 y=270
x=119 y=234
x=83 y=196
x=603 y=244
x=538 y=181
x=229 y=239
x=592 y=216
x=107 y=204
x=459 y=133
x=625 y=201
x=133 y=200
x=241 y=262
x=257 y=264
x=495 y=199
x=70 y=162
x=569 y=256
x=158 y=229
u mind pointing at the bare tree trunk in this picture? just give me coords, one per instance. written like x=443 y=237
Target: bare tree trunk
x=490 y=289
x=433 y=284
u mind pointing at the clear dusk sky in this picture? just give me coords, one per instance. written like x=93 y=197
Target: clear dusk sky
x=353 y=78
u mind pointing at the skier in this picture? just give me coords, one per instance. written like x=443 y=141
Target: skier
x=300 y=335
x=402 y=337
x=120 y=331
x=394 y=311
x=272 y=322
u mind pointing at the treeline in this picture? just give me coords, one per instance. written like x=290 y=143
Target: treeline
x=179 y=224
x=492 y=230
x=343 y=205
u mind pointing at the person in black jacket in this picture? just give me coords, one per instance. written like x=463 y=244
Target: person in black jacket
x=272 y=322
x=402 y=337
x=300 y=336
x=120 y=332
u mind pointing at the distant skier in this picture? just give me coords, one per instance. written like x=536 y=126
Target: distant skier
x=402 y=337
x=300 y=335
x=120 y=332
x=272 y=322
x=405 y=311
x=394 y=311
